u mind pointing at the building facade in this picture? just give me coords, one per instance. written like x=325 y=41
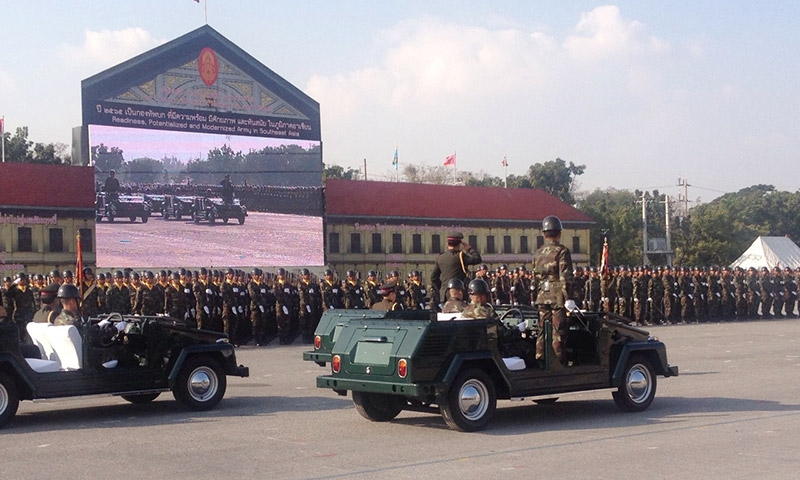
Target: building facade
x=388 y=226
x=43 y=208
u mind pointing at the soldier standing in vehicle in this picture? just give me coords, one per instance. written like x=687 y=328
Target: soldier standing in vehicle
x=389 y=302
x=453 y=263
x=552 y=268
x=227 y=190
x=456 y=303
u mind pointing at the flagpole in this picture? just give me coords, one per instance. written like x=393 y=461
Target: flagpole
x=3 y=134
x=505 y=172
x=205 y=11
x=454 y=167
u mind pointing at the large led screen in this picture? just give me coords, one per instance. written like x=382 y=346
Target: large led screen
x=183 y=199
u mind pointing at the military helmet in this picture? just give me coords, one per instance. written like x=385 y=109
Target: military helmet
x=456 y=283
x=230 y=271
x=484 y=267
x=119 y=274
x=88 y=271
x=135 y=276
x=372 y=273
x=478 y=286
x=22 y=276
x=281 y=271
x=328 y=273
x=551 y=223
x=67 y=274
x=162 y=273
x=149 y=274
x=176 y=276
x=394 y=273
x=7 y=279
x=256 y=271
x=350 y=273
x=305 y=271
x=68 y=291
x=54 y=273
x=40 y=277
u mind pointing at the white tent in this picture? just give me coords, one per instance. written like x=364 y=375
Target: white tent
x=770 y=252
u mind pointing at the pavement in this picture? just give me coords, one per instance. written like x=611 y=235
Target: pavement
x=733 y=413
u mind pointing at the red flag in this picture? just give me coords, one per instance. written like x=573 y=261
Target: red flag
x=505 y=162
x=604 y=258
x=450 y=160
x=79 y=265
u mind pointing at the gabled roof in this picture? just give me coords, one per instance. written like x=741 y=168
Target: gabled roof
x=167 y=77
x=770 y=252
x=32 y=185
x=354 y=198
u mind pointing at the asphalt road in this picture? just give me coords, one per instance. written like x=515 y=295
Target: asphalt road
x=733 y=413
x=263 y=239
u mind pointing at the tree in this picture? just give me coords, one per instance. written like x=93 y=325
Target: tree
x=335 y=171
x=556 y=178
x=142 y=170
x=21 y=150
x=618 y=218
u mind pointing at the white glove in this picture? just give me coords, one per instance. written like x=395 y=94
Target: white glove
x=261 y=307
x=104 y=323
x=521 y=326
x=205 y=309
x=308 y=308
x=571 y=305
x=285 y=310
x=208 y=291
x=120 y=326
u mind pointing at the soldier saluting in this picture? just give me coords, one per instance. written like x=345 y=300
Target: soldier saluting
x=453 y=263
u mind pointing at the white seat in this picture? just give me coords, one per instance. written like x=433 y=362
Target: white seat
x=43 y=366
x=514 y=363
x=38 y=333
x=68 y=346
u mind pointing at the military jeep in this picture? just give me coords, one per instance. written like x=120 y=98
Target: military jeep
x=453 y=366
x=178 y=206
x=134 y=357
x=211 y=209
x=112 y=207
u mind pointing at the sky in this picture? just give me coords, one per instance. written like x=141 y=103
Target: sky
x=640 y=92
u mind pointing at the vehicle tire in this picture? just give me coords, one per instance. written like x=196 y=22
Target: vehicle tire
x=145 y=218
x=165 y=215
x=638 y=387
x=211 y=219
x=110 y=217
x=471 y=401
x=196 y=218
x=225 y=220
x=141 y=397
x=177 y=216
x=378 y=407
x=241 y=220
x=200 y=384
x=9 y=399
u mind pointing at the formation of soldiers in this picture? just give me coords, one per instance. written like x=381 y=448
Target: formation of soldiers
x=260 y=307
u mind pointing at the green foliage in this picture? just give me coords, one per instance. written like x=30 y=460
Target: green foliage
x=556 y=178
x=335 y=171
x=618 y=218
x=21 y=150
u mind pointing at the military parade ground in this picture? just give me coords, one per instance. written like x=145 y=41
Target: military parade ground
x=731 y=414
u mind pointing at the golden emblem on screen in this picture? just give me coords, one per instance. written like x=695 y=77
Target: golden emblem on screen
x=208 y=66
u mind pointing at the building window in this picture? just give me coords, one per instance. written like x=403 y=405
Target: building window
x=87 y=244
x=539 y=241
x=333 y=242
x=377 y=243
x=56 y=240
x=416 y=243
x=490 y=244
x=397 y=243
x=24 y=239
x=507 y=244
x=355 y=242
x=436 y=243
x=523 y=244
x=576 y=244
x=473 y=242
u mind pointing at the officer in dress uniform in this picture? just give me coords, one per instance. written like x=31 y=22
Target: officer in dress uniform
x=389 y=301
x=453 y=263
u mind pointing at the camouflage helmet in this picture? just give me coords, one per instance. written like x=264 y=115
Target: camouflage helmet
x=478 y=286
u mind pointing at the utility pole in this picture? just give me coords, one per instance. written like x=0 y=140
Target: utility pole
x=685 y=184
x=669 y=241
x=365 y=169
x=644 y=228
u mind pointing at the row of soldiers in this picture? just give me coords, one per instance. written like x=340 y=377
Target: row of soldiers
x=671 y=295
x=260 y=307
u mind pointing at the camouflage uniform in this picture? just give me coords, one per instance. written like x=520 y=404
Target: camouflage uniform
x=552 y=269
x=118 y=299
x=149 y=301
x=176 y=304
x=310 y=308
x=283 y=309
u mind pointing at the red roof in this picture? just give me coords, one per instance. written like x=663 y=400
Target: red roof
x=416 y=200
x=39 y=185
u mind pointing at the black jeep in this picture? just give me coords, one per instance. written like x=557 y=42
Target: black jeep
x=211 y=209
x=178 y=206
x=134 y=357
x=112 y=206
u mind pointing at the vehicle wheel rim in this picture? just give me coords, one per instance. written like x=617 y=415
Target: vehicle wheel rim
x=473 y=399
x=638 y=384
x=203 y=384
x=3 y=398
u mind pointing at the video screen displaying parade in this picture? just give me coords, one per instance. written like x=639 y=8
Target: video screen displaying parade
x=198 y=199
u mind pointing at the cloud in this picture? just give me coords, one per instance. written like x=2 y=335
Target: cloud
x=603 y=33
x=106 y=48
